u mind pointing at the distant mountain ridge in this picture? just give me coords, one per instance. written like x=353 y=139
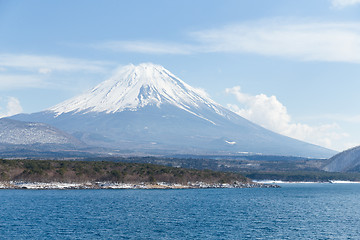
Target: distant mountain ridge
x=17 y=132
x=146 y=109
x=20 y=139
x=346 y=161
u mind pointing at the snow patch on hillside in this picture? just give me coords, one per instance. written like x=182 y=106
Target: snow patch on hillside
x=230 y=142
x=16 y=132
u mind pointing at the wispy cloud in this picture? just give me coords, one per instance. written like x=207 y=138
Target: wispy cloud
x=337 y=117
x=44 y=70
x=270 y=113
x=146 y=47
x=38 y=71
x=309 y=41
x=12 y=107
x=344 y=3
x=298 y=39
x=16 y=81
x=47 y=64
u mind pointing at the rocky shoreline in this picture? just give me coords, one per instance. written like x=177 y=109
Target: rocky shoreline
x=113 y=185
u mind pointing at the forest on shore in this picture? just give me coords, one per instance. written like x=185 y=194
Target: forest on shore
x=108 y=171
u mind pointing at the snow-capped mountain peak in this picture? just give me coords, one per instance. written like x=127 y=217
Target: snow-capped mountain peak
x=146 y=109
x=133 y=87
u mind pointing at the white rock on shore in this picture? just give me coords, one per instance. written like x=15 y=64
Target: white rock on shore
x=110 y=185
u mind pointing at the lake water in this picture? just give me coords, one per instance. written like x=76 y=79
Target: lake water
x=295 y=211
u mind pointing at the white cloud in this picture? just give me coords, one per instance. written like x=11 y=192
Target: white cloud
x=50 y=63
x=338 y=117
x=44 y=70
x=300 y=39
x=344 y=3
x=13 y=107
x=349 y=145
x=146 y=47
x=306 y=41
x=33 y=71
x=21 y=81
x=270 y=113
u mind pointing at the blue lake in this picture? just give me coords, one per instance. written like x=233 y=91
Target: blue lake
x=295 y=211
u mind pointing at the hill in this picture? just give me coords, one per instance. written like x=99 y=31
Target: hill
x=32 y=139
x=346 y=161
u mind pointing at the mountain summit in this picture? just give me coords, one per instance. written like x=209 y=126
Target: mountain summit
x=133 y=88
x=145 y=109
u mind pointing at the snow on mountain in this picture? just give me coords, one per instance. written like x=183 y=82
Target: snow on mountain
x=134 y=87
x=146 y=109
x=17 y=132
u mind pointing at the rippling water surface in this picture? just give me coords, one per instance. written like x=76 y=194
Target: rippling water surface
x=295 y=211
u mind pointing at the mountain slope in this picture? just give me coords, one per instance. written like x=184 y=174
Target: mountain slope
x=346 y=161
x=20 y=139
x=146 y=109
x=135 y=87
x=17 y=132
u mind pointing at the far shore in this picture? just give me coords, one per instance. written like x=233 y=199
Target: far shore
x=142 y=185
x=295 y=182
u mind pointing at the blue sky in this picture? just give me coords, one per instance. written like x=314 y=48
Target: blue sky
x=291 y=66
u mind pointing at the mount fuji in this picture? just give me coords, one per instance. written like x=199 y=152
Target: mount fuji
x=146 y=109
